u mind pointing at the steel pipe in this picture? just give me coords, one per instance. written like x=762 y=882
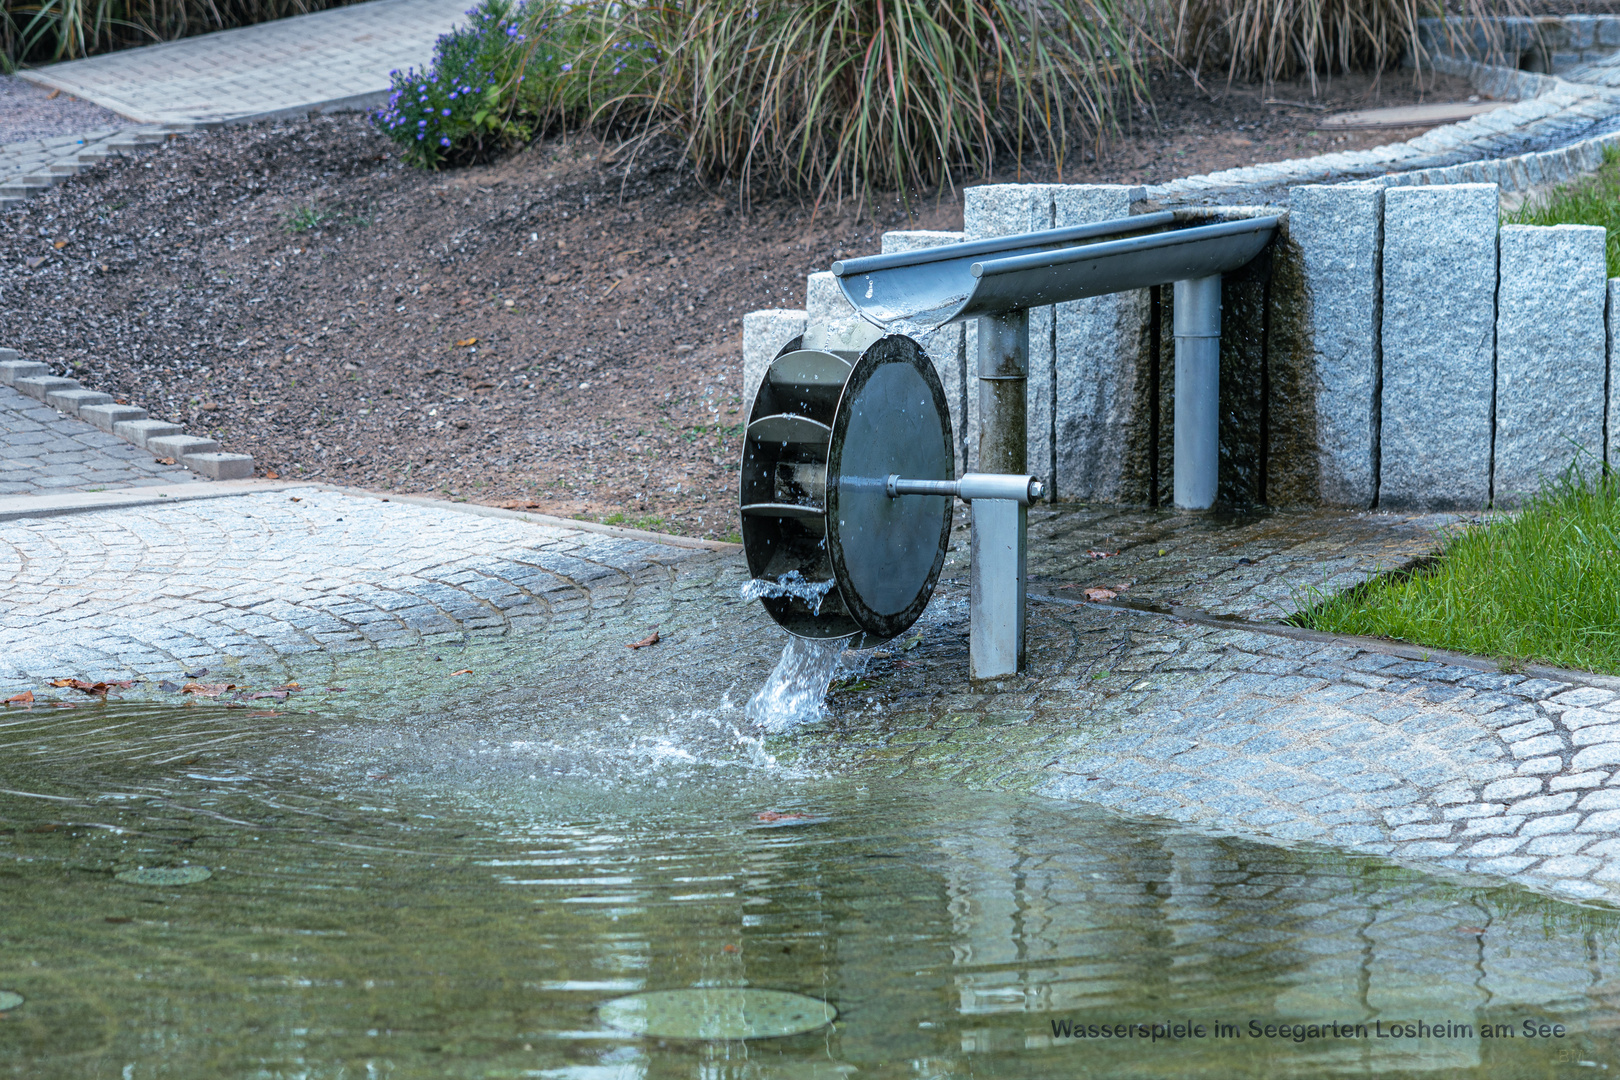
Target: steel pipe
x=1197 y=321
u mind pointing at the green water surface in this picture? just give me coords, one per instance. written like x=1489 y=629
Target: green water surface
x=444 y=905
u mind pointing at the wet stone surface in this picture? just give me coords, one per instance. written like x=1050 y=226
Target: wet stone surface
x=435 y=614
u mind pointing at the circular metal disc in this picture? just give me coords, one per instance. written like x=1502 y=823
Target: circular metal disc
x=887 y=552
x=717 y=1012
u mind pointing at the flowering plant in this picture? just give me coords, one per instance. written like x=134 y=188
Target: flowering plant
x=514 y=68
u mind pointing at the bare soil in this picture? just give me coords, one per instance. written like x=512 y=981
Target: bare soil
x=556 y=330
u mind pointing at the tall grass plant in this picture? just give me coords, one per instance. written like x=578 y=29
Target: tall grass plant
x=844 y=98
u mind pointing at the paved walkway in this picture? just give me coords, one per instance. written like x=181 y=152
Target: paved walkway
x=43 y=452
x=336 y=59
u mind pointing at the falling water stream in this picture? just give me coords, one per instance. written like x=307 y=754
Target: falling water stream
x=794 y=693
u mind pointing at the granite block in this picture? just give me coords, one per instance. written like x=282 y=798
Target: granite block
x=764 y=334
x=1098 y=348
x=1438 y=325
x=1551 y=354
x=139 y=431
x=75 y=398
x=1339 y=234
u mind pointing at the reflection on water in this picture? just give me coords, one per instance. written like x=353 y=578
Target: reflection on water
x=376 y=917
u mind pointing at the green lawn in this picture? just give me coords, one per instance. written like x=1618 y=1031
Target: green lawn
x=1541 y=586
x=1591 y=200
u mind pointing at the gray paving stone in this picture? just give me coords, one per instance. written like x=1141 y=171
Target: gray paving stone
x=1438 y=322
x=1098 y=352
x=1550 y=354
x=1339 y=232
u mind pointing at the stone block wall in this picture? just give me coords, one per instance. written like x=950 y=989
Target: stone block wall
x=1395 y=348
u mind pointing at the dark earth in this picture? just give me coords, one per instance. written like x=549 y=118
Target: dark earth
x=558 y=330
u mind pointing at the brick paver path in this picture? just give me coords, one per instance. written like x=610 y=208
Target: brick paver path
x=44 y=452
x=331 y=59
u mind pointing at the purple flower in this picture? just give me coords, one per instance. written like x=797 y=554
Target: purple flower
x=444 y=141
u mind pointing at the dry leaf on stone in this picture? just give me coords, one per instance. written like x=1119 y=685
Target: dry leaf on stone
x=94 y=688
x=1121 y=586
x=650 y=639
x=463 y=671
x=1100 y=594
x=466 y=343
x=270 y=474
x=279 y=695
x=59 y=245
x=165 y=461
x=206 y=689
x=24 y=698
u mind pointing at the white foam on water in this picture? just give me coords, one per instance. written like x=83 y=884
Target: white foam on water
x=796 y=690
x=790 y=584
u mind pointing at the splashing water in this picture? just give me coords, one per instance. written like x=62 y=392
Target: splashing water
x=794 y=693
x=791 y=584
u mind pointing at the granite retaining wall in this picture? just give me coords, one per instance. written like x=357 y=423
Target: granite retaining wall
x=1395 y=348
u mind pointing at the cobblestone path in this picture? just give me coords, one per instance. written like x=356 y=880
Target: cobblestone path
x=43 y=451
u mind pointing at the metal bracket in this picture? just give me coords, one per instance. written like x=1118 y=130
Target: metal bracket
x=999 y=570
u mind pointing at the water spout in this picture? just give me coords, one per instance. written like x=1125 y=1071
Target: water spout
x=794 y=693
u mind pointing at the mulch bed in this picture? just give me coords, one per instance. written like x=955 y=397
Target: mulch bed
x=557 y=330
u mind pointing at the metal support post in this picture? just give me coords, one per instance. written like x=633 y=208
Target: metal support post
x=996 y=586
x=1198 y=391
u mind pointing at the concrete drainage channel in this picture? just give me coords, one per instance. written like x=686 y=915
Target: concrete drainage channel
x=129 y=422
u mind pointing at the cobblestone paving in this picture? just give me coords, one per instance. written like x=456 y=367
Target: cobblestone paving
x=1451 y=768
x=335 y=58
x=31 y=166
x=264 y=578
x=1259 y=567
x=44 y=452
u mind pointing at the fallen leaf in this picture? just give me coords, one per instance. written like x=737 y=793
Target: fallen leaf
x=165 y=461
x=206 y=689
x=34 y=263
x=1095 y=554
x=650 y=639
x=466 y=342
x=270 y=474
x=729 y=948
x=463 y=671
x=59 y=245
x=24 y=698
x=1100 y=594
x=295 y=498
x=52 y=95
x=519 y=504
x=171 y=687
x=95 y=688
x=1120 y=586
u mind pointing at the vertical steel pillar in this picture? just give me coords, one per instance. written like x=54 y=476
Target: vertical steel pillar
x=1198 y=391
x=996 y=591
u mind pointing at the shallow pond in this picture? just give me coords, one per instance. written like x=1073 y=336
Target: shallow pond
x=403 y=898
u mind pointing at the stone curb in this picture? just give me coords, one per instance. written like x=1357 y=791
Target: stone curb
x=1383 y=646
x=27 y=168
x=128 y=422
x=14 y=507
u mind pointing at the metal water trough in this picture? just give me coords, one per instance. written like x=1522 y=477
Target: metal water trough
x=846 y=474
